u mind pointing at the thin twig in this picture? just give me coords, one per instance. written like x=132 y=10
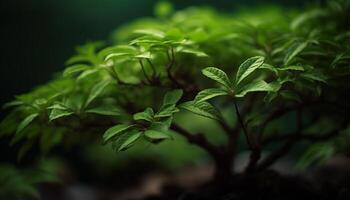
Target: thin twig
x=152 y=66
x=169 y=67
x=144 y=72
x=240 y=120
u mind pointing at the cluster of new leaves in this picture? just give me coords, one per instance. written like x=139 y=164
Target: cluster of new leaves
x=280 y=62
x=148 y=125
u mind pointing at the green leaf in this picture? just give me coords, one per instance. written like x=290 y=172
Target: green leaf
x=153 y=134
x=87 y=73
x=26 y=122
x=151 y=32
x=195 y=52
x=315 y=76
x=248 y=67
x=58 y=106
x=269 y=67
x=145 y=55
x=115 y=131
x=203 y=108
x=108 y=110
x=290 y=95
x=59 y=113
x=126 y=140
x=162 y=125
x=217 y=75
x=207 y=94
x=254 y=86
x=74 y=69
x=118 y=51
x=96 y=91
x=292 y=68
x=12 y=103
x=117 y=55
x=275 y=86
x=146 y=115
x=172 y=97
x=293 y=51
x=174 y=34
x=167 y=111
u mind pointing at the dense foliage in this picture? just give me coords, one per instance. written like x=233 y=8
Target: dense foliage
x=267 y=75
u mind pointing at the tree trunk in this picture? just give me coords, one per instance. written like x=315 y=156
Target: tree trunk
x=223 y=170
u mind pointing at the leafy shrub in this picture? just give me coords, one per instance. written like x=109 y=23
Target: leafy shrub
x=284 y=76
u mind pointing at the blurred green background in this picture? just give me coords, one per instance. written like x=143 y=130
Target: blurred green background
x=37 y=36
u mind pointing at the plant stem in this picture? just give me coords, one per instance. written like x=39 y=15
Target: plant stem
x=240 y=120
x=144 y=72
x=223 y=162
x=170 y=66
x=152 y=66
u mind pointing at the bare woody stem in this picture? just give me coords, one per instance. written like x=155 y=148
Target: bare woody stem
x=198 y=139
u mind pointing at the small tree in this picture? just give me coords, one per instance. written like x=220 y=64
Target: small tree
x=286 y=80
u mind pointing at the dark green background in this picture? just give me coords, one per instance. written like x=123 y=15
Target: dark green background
x=37 y=36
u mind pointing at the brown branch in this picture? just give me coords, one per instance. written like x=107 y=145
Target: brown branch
x=169 y=68
x=274 y=156
x=198 y=139
x=152 y=66
x=251 y=140
x=292 y=139
x=144 y=72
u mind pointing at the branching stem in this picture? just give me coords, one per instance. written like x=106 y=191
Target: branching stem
x=152 y=66
x=144 y=72
x=240 y=120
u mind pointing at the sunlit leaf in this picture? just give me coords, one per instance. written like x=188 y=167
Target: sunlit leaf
x=105 y=110
x=126 y=140
x=204 y=109
x=172 y=97
x=74 y=69
x=293 y=51
x=207 y=94
x=59 y=113
x=96 y=91
x=147 y=115
x=248 y=67
x=254 y=86
x=167 y=110
x=217 y=75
